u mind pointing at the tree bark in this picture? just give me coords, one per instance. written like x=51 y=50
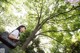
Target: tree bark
x=31 y=37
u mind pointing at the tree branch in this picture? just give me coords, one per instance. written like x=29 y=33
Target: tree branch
x=51 y=38
x=67 y=17
x=40 y=15
x=37 y=11
x=58 y=31
x=55 y=15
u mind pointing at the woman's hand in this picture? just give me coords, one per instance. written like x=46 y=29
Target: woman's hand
x=18 y=38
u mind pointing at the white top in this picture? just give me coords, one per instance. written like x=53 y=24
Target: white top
x=16 y=33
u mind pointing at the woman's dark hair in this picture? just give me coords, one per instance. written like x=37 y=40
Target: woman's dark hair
x=21 y=26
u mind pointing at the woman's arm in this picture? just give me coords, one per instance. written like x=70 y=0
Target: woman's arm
x=11 y=36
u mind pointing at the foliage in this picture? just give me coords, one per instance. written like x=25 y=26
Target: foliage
x=56 y=19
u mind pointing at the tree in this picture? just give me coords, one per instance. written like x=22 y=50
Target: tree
x=56 y=19
x=61 y=19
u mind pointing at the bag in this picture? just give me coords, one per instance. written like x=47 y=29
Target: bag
x=4 y=37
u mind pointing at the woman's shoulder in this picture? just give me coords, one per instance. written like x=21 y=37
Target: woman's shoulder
x=15 y=31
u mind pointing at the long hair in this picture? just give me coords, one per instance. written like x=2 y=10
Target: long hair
x=21 y=26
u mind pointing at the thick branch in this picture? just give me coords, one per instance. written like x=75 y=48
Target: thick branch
x=40 y=15
x=55 y=15
x=29 y=39
x=51 y=38
x=58 y=31
x=42 y=33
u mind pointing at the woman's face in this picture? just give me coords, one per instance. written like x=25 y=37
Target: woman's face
x=22 y=29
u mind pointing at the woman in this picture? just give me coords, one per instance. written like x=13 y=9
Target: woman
x=13 y=35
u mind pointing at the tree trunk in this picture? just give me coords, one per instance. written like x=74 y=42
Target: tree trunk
x=30 y=38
